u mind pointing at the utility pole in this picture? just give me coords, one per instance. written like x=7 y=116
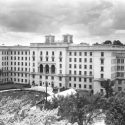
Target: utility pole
x=46 y=91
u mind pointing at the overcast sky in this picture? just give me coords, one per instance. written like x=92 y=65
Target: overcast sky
x=26 y=21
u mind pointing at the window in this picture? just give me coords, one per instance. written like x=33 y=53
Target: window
x=102 y=68
x=80 y=66
x=70 y=66
x=69 y=84
x=79 y=79
x=79 y=85
x=80 y=59
x=60 y=84
x=90 y=60
x=60 y=53
x=74 y=72
x=52 y=77
x=60 y=65
x=33 y=52
x=85 y=53
x=70 y=72
x=60 y=59
x=74 y=53
x=90 y=66
x=46 y=52
x=102 y=75
x=74 y=59
x=85 y=72
x=46 y=58
x=80 y=53
x=33 y=69
x=90 y=80
x=85 y=80
x=25 y=52
x=70 y=53
x=102 y=61
x=85 y=66
x=90 y=73
x=74 y=65
x=102 y=53
x=52 y=52
x=85 y=60
x=70 y=78
x=46 y=77
x=90 y=53
x=122 y=60
x=53 y=59
x=41 y=52
x=22 y=63
x=74 y=78
x=74 y=85
x=84 y=86
x=90 y=86
x=70 y=59
x=80 y=73
x=60 y=78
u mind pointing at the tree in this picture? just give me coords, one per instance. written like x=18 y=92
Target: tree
x=83 y=110
x=108 y=86
x=117 y=42
x=107 y=42
x=115 y=110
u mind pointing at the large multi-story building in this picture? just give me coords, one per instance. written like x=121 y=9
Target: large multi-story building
x=63 y=64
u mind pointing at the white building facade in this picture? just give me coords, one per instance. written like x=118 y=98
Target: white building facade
x=63 y=64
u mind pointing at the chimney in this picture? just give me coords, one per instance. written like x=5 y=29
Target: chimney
x=68 y=38
x=49 y=39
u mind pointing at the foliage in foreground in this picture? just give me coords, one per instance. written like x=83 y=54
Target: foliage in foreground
x=88 y=109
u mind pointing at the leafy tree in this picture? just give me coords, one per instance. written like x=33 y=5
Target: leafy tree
x=107 y=42
x=81 y=109
x=108 y=86
x=117 y=42
x=115 y=110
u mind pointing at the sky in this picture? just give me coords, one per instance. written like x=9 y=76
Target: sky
x=28 y=21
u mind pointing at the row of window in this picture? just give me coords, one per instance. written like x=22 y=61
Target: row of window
x=80 y=72
x=47 y=59
x=80 y=60
x=80 y=86
x=80 y=79
x=80 y=66
x=19 y=74
x=15 y=58
x=16 y=52
x=120 y=61
x=19 y=80
x=47 y=53
x=80 y=53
